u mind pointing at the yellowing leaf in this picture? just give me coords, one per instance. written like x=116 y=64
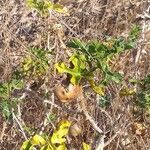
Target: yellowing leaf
x=60 y=67
x=86 y=146
x=38 y=140
x=62 y=147
x=27 y=63
x=26 y=145
x=127 y=91
x=98 y=89
x=60 y=9
x=78 y=62
x=58 y=135
x=48 y=147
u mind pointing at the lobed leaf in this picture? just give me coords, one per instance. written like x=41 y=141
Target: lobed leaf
x=58 y=136
x=38 y=140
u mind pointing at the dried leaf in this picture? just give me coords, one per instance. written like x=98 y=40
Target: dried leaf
x=138 y=128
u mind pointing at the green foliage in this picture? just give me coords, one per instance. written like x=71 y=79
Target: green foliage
x=35 y=64
x=99 y=54
x=43 y=6
x=51 y=117
x=6 y=101
x=5 y=107
x=143 y=92
x=55 y=142
x=104 y=101
x=143 y=95
x=94 y=56
x=131 y=43
x=78 y=69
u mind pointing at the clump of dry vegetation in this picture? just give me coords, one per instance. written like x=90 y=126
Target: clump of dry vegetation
x=74 y=75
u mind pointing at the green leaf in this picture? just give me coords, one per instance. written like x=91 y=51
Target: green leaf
x=51 y=117
x=131 y=42
x=144 y=99
x=78 y=62
x=104 y=101
x=5 y=107
x=98 y=54
x=35 y=65
x=17 y=84
x=4 y=90
x=77 y=44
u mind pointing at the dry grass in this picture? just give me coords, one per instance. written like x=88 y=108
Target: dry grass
x=21 y=28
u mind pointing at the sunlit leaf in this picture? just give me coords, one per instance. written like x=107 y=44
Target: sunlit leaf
x=86 y=146
x=35 y=65
x=58 y=136
x=61 y=147
x=38 y=140
x=78 y=62
x=44 y=5
x=47 y=147
x=17 y=84
x=26 y=145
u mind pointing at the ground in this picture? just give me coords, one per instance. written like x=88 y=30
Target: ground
x=125 y=125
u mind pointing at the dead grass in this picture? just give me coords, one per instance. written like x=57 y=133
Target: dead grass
x=21 y=28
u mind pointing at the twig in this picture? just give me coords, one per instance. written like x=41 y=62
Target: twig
x=101 y=144
x=61 y=108
x=88 y=117
x=82 y=102
x=3 y=131
x=143 y=35
x=53 y=104
x=104 y=111
x=111 y=139
x=22 y=130
x=50 y=102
